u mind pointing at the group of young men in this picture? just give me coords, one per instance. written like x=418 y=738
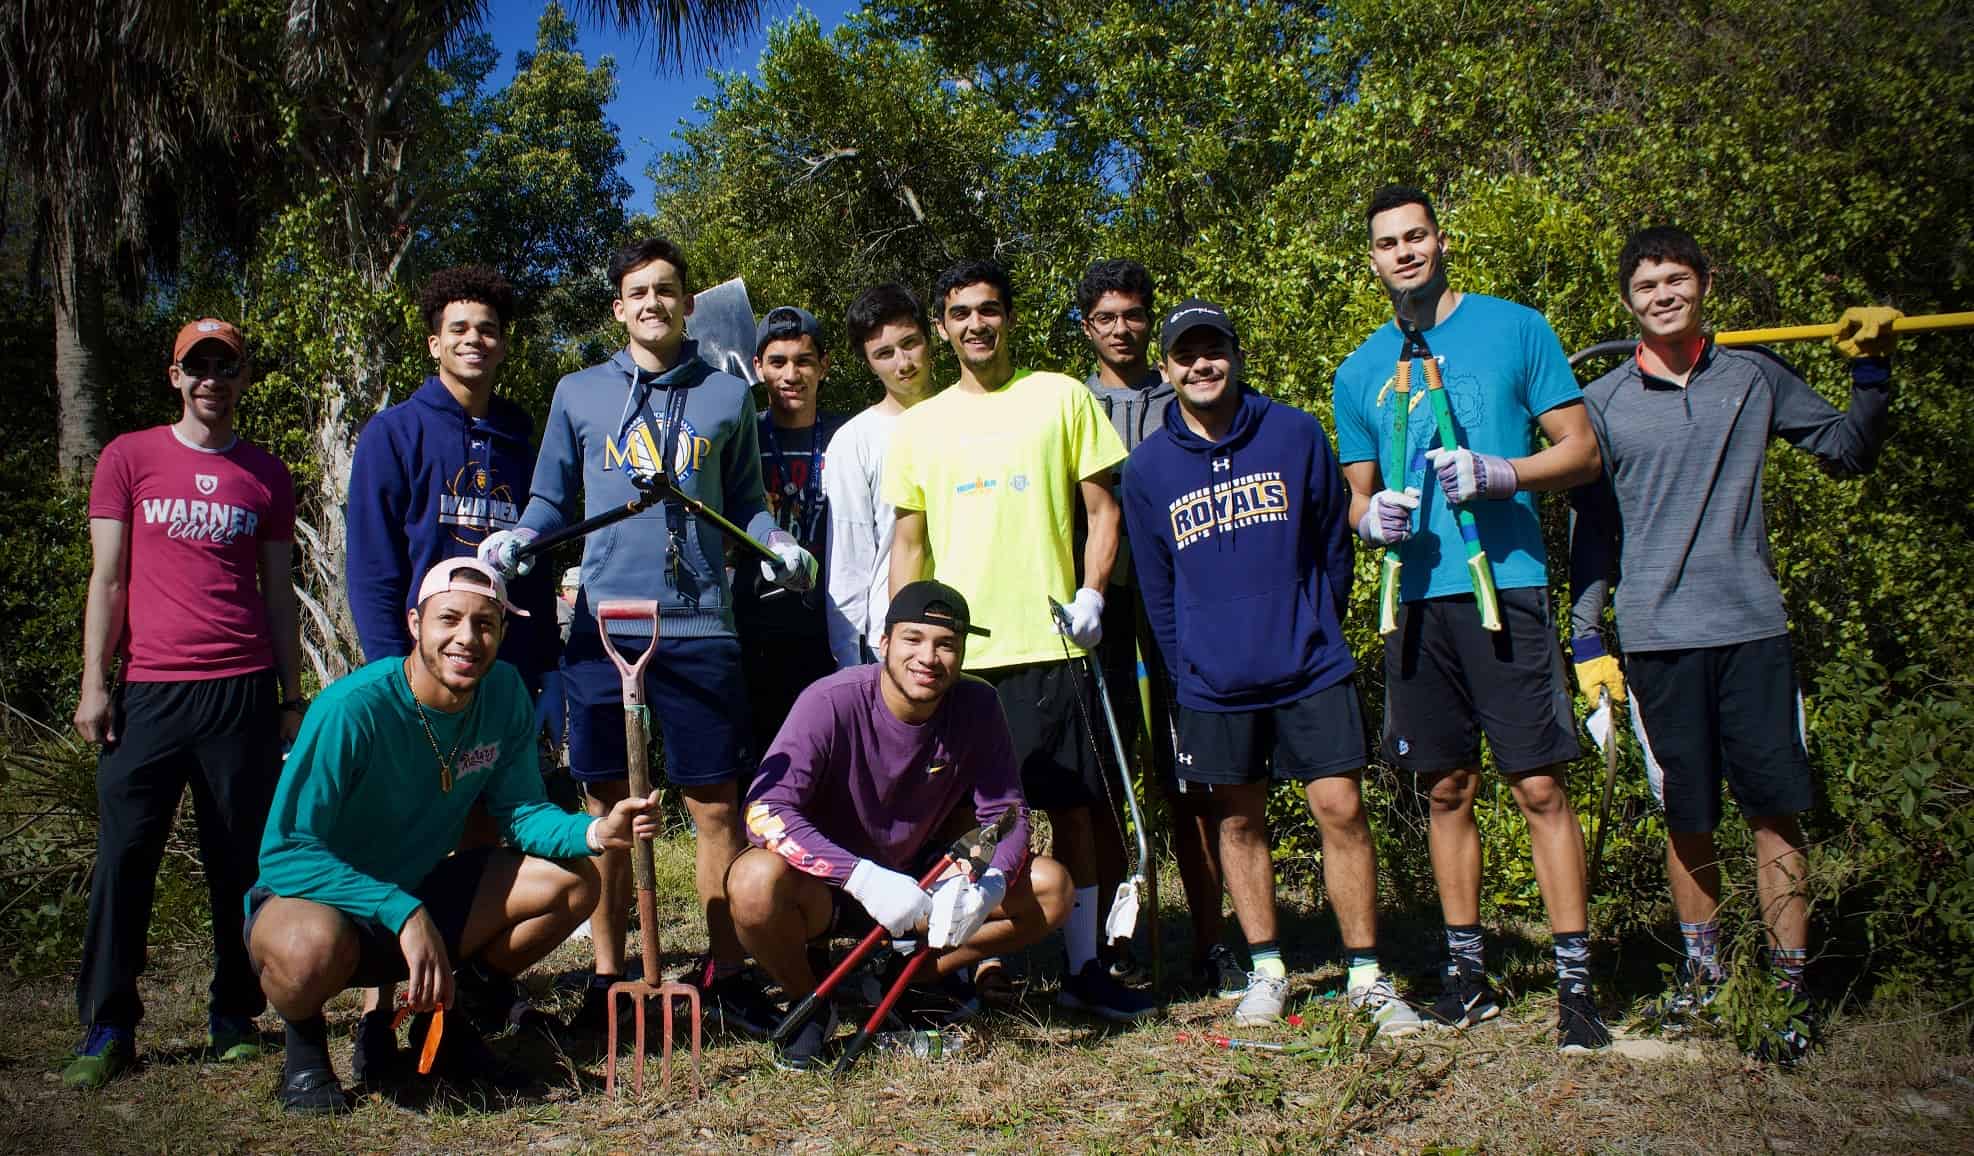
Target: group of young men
x=898 y=673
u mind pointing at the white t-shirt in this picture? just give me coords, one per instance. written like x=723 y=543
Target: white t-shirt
x=860 y=521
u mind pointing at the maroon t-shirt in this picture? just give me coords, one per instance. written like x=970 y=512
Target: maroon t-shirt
x=197 y=520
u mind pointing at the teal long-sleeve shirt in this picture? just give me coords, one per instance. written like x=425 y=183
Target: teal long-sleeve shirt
x=360 y=816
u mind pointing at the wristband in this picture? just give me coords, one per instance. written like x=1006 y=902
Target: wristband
x=1585 y=647
x=298 y=705
x=589 y=837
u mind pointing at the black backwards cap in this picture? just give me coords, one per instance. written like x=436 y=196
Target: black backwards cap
x=934 y=604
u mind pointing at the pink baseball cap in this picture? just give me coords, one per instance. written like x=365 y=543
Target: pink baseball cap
x=470 y=576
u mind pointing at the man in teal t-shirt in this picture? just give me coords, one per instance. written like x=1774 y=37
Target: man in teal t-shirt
x=357 y=888
x=1448 y=681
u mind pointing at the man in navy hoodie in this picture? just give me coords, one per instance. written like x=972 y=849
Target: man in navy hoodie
x=1239 y=519
x=607 y=426
x=434 y=475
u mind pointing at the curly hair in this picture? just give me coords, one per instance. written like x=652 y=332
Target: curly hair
x=465 y=283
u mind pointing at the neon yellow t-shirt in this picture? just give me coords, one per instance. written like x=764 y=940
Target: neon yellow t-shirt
x=996 y=476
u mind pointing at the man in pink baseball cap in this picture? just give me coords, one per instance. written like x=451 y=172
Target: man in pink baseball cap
x=357 y=888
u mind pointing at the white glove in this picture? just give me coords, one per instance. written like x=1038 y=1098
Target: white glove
x=501 y=550
x=1086 y=618
x=896 y=901
x=961 y=905
x=797 y=570
x=1389 y=520
x=1465 y=475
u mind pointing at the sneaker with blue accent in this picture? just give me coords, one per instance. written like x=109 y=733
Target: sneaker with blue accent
x=105 y=1053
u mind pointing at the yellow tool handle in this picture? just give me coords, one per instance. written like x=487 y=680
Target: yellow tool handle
x=1925 y=323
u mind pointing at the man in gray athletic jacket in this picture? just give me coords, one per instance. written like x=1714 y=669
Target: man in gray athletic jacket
x=1683 y=427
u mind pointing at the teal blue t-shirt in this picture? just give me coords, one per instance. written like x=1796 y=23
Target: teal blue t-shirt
x=1502 y=366
x=360 y=816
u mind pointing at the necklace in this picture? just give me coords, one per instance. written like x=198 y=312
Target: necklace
x=445 y=760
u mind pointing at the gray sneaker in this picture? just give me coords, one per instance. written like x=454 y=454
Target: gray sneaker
x=1393 y=1015
x=1263 y=1000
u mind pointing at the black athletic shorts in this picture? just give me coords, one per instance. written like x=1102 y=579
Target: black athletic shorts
x=1723 y=712
x=447 y=894
x=1318 y=735
x=1060 y=768
x=1448 y=682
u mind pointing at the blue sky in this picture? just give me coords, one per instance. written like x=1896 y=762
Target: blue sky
x=651 y=100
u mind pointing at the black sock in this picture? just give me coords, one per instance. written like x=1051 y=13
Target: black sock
x=308 y=1044
x=603 y=979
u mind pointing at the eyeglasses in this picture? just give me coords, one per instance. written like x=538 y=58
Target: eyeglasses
x=210 y=367
x=1133 y=318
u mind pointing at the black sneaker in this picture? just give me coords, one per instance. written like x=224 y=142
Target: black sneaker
x=1221 y=973
x=1092 y=990
x=312 y=1092
x=1465 y=999
x=498 y=1004
x=377 y=1059
x=734 y=1002
x=949 y=1000
x=804 y=1050
x=1789 y=1043
x=465 y=1058
x=1580 y=1028
x=593 y=1017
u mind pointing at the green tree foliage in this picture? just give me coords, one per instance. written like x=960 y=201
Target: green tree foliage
x=1819 y=150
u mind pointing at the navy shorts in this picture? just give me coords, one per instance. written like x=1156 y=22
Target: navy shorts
x=447 y=896
x=698 y=701
x=1318 y=735
x=1722 y=713
x=1448 y=682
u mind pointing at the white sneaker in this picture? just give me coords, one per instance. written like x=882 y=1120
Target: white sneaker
x=1263 y=1000
x=1393 y=1015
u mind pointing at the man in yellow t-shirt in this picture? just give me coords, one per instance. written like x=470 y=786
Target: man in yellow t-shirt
x=985 y=477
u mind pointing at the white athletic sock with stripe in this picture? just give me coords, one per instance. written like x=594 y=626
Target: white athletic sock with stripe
x=1079 y=935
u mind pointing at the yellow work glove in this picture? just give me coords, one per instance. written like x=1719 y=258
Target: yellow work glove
x=1866 y=331
x=1596 y=671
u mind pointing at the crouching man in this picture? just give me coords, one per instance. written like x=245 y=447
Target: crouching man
x=876 y=769
x=356 y=888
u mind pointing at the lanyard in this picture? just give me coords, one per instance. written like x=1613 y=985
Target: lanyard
x=805 y=515
x=665 y=446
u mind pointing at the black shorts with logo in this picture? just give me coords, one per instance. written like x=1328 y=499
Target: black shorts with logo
x=1717 y=713
x=1318 y=735
x=447 y=896
x=1060 y=768
x=1448 y=682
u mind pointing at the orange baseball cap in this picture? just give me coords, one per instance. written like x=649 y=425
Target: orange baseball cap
x=208 y=329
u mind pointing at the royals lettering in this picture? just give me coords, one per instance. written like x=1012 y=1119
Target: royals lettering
x=1249 y=500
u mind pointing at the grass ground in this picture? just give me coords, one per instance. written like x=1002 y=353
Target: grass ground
x=1894 y=1077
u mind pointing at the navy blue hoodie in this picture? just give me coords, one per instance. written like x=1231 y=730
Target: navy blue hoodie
x=1244 y=556
x=429 y=482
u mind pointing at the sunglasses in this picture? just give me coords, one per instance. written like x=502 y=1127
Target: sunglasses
x=210 y=367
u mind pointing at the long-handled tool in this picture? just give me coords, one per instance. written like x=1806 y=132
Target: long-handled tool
x=637 y=736
x=1394 y=470
x=806 y=1008
x=651 y=490
x=1925 y=323
x=1123 y=919
x=969 y=857
x=1478 y=569
x=1610 y=785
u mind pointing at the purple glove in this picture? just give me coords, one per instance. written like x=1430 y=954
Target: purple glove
x=1465 y=475
x=1389 y=520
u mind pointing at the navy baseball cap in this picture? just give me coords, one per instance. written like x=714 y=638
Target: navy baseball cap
x=1194 y=311
x=784 y=322
x=934 y=604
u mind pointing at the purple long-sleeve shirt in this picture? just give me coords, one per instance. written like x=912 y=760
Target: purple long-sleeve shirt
x=847 y=780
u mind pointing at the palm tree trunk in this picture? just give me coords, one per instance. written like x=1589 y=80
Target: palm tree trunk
x=79 y=354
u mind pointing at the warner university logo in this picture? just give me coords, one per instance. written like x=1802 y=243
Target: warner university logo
x=1248 y=500
x=472 y=509
x=196 y=520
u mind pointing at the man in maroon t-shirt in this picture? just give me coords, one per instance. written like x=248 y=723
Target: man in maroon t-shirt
x=192 y=533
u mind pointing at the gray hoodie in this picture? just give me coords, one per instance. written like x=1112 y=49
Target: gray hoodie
x=611 y=418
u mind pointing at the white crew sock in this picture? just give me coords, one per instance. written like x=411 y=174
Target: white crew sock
x=1079 y=936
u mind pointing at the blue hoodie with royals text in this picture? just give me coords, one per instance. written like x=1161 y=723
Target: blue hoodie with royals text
x=429 y=482
x=608 y=422
x=1243 y=556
